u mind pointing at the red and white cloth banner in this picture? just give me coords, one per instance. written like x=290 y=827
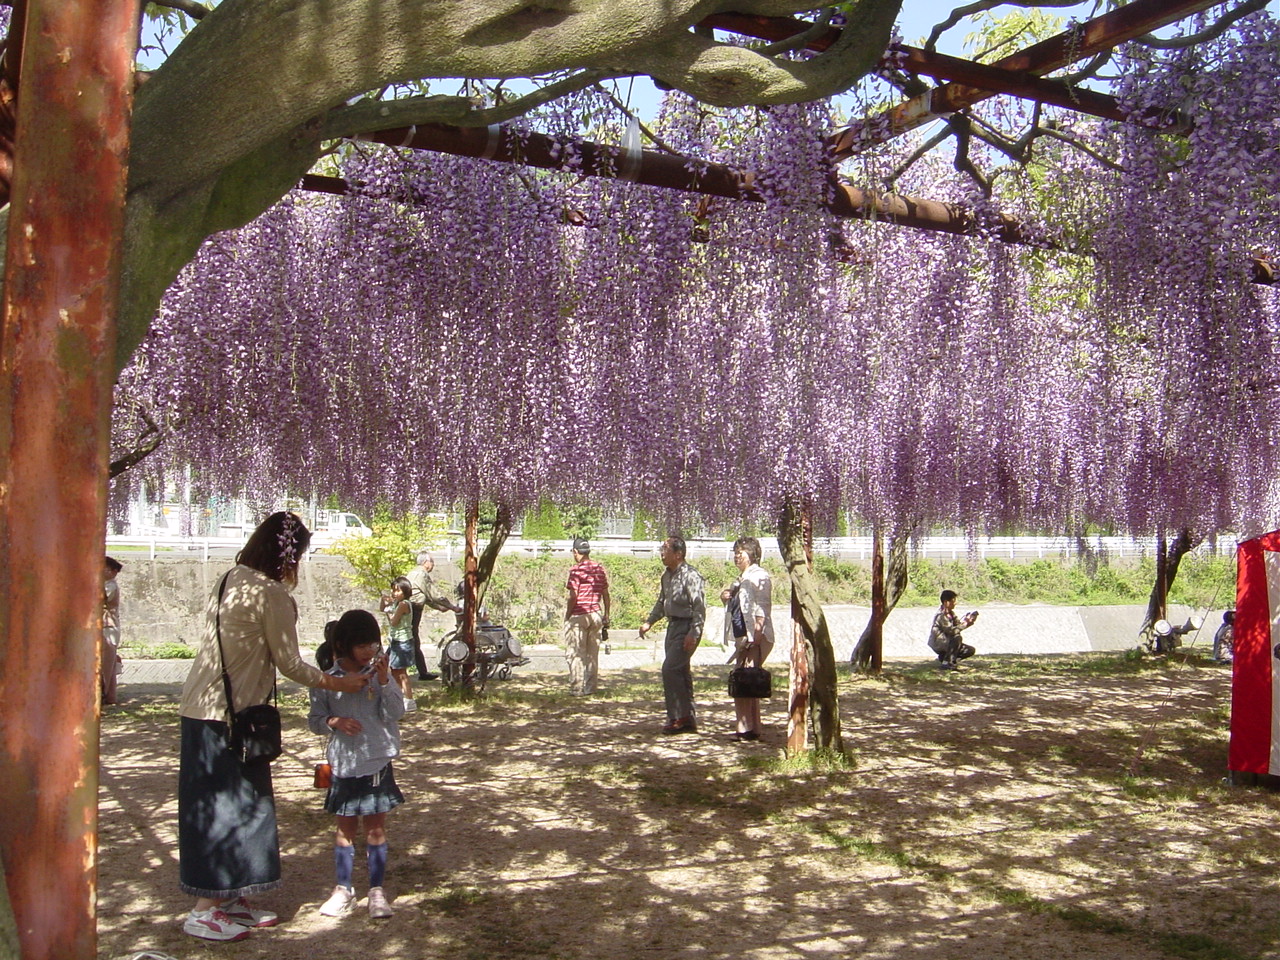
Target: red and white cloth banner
x=1255 y=680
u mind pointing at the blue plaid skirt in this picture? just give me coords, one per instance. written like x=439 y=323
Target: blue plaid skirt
x=363 y=796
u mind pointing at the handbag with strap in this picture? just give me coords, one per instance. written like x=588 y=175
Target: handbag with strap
x=752 y=683
x=253 y=733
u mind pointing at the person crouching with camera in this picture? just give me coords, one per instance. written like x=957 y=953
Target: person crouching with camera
x=944 y=636
x=753 y=591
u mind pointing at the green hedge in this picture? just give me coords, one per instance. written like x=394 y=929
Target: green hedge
x=527 y=594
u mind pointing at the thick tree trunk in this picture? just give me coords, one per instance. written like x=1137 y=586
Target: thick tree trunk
x=488 y=559
x=56 y=349
x=887 y=587
x=470 y=579
x=813 y=625
x=1168 y=558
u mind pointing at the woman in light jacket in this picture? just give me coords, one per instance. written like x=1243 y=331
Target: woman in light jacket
x=755 y=596
x=228 y=848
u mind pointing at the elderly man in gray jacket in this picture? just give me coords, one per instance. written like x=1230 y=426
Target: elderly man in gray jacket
x=681 y=601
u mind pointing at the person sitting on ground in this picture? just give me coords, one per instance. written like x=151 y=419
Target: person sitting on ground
x=1223 y=638
x=944 y=636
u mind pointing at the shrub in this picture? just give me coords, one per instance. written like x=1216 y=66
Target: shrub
x=390 y=552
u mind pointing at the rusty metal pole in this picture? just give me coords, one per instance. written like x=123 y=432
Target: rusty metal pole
x=57 y=360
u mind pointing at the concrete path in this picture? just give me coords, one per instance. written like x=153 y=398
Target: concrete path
x=999 y=630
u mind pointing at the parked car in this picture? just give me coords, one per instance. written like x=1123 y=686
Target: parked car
x=335 y=525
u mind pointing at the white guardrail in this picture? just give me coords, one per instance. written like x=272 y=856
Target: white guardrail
x=843 y=548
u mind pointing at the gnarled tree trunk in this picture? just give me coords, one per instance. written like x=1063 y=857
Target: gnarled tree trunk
x=813 y=625
x=1168 y=558
x=887 y=586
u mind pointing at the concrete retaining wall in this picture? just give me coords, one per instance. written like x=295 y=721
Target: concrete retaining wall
x=163 y=600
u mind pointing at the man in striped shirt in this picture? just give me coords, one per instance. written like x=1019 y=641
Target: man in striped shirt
x=586 y=614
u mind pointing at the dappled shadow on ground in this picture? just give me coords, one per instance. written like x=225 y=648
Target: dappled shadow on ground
x=1013 y=809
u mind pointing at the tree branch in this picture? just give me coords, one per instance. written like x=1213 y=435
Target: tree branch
x=148 y=441
x=1089 y=71
x=916 y=154
x=1218 y=28
x=800 y=40
x=980 y=6
x=652 y=137
x=1083 y=148
x=366 y=115
x=730 y=76
x=192 y=8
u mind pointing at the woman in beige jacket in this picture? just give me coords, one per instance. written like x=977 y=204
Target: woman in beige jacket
x=228 y=848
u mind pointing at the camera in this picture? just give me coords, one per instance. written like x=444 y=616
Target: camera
x=971 y=615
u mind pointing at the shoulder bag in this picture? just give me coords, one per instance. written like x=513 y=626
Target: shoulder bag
x=254 y=732
x=752 y=683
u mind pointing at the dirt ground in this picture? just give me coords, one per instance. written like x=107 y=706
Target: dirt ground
x=1066 y=807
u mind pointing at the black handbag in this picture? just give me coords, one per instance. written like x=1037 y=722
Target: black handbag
x=254 y=734
x=752 y=683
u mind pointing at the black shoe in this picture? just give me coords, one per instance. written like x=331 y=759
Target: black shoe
x=428 y=676
x=747 y=737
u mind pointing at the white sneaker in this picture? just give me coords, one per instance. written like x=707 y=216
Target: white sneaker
x=213 y=924
x=339 y=902
x=410 y=704
x=379 y=909
x=240 y=912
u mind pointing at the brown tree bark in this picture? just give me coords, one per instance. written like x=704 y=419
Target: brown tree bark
x=470 y=579
x=62 y=274
x=1168 y=559
x=888 y=584
x=814 y=642
x=489 y=559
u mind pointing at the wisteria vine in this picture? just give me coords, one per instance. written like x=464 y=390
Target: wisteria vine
x=458 y=330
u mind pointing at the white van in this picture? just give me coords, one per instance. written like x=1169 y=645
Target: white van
x=334 y=525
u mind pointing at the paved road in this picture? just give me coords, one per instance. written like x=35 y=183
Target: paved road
x=999 y=630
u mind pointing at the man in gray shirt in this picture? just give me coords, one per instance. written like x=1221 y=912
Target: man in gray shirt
x=681 y=601
x=426 y=593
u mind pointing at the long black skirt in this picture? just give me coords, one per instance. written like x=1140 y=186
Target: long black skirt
x=227 y=841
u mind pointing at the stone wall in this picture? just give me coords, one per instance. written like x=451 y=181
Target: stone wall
x=163 y=600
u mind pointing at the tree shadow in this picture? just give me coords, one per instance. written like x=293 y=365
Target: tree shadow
x=995 y=812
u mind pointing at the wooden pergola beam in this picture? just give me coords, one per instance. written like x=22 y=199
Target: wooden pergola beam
x=1071 y=46
x=940 y=66
x=671 y=171
x=678 y=172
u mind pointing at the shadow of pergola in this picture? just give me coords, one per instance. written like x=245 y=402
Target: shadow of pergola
x=988 y=813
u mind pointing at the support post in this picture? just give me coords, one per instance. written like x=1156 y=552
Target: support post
x=57 y=355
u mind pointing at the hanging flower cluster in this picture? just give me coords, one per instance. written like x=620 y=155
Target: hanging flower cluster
x=459 y=330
